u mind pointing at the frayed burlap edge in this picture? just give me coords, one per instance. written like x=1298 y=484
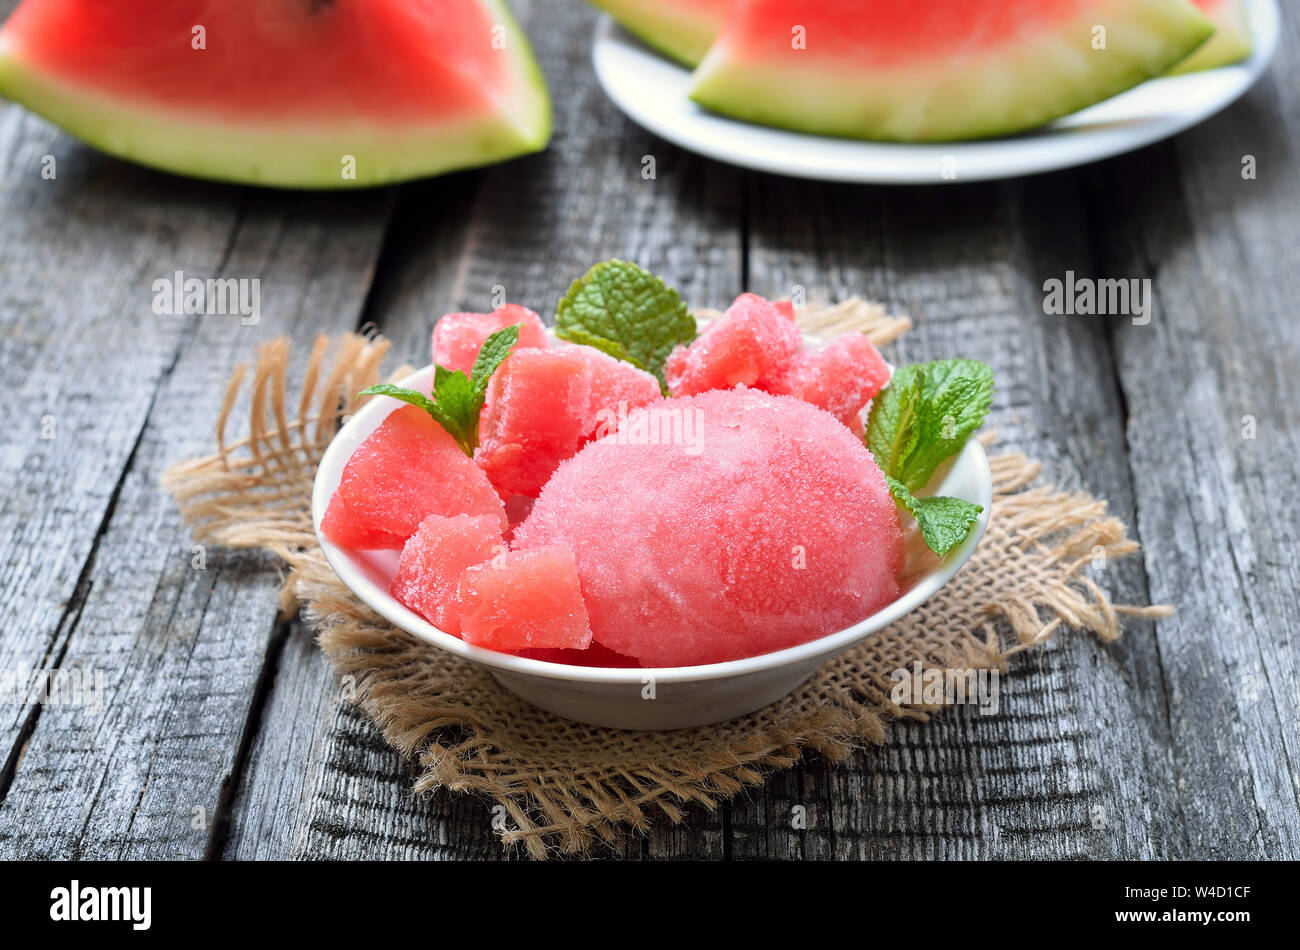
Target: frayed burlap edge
x=567 y=787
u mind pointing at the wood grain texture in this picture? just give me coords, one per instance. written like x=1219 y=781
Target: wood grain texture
x=181 y=644
x=225 y=733
x=1214 y=438
x=77 y=333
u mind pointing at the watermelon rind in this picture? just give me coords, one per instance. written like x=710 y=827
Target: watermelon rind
x=1231 y=42
x=987 y=93
x=674 y=30
x=286 y=154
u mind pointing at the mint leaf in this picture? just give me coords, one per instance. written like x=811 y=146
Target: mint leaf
x=458 y=399
x=925 y=415
x=920 y=420
x=413 y=396
x=627 y=312
x=892 y=426
x=944 y=521
x=490 y=355
x=611 y=347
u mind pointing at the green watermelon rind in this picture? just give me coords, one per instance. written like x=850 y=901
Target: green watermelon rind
x=284 y=154
x=971 y=101
x=659 y=30
x=1231 y=43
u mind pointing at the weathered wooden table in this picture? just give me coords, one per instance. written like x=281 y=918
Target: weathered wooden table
x=224 y=733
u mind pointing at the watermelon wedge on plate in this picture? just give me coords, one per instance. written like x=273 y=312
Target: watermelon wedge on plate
x=937 y=71
x=324 y=94
x=1230 y=43
x=682 y=29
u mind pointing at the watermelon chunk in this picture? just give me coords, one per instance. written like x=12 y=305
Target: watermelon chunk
x=525 y=599
x=1231 y=42
x=286 y=93
x=407 y=469
x=936 y=71
x=428 y=574
x=457 y=337
x=841 y=376
x=780 y=532
x=681 y=29
x=543 y=405
x=751 y=340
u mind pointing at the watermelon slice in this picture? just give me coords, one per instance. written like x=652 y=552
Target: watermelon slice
x=282 y=92
x=457 y=337
x=407 y=469
x=682 y=29
x=525 y=599
x=1230 y=43
x=936 y=71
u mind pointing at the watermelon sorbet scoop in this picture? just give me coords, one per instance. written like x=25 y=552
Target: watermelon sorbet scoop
x=767 y=524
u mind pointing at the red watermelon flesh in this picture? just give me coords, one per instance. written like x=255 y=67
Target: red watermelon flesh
x=939 y=70
x=525 y=599
x=841 y=376
x=752 y=339
x=543 y=405
x=428 y=574
x=594 y=655
x=407 y=469
x=342 y=527
x=457 y=337
x=279 y=91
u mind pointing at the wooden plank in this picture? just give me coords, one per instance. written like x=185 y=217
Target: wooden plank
x=1214 y=503
x=182 y=645
x=968 y=263
x=81 y=356
x=529 y=228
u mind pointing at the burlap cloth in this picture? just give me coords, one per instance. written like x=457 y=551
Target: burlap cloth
x=567 y=786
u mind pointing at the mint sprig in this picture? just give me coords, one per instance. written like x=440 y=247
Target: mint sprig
x=458 y=399
x=625 y=311
x=944 y=521
x=920 y=420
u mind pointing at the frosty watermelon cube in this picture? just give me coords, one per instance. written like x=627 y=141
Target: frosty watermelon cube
x=543 y=405
x=840 y=376
x=428 y=574
x=751 y=340
x=407 y=469
x=525 y=599
x=457 y=337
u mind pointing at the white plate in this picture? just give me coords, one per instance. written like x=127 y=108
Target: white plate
x=652 y=91
x=683 y=696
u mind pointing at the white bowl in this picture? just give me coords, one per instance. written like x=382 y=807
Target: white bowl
x=683 y=696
